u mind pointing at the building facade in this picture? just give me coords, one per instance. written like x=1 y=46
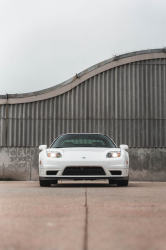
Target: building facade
x=123 y=97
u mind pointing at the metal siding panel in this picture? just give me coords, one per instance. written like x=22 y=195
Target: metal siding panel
x=116 y=93
x=10 y=134
x=113 y=92
x=106 y=101
x=127 y=103
x=128 y=91
x=103 y=96
x=160 y=91
x=90 y=95
x=94 y=97
x=164 y=134
x=119 y=92
x=3 y=111
x=125 y=94
x=3 y=133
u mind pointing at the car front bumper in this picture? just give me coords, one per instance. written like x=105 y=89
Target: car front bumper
x=107 y=165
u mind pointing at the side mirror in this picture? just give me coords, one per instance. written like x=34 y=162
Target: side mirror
x=42 y=147
x=125 y=147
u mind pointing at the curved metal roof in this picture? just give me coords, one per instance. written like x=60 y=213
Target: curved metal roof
x=82 y=76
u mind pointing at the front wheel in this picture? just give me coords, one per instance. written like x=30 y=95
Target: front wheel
x=123 y=183
x=44 y=183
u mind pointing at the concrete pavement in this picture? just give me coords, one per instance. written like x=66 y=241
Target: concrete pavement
x=82 y=216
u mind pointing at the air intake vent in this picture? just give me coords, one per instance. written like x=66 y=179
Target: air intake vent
x=52 y=172
x=84 y=171
x=115 y=172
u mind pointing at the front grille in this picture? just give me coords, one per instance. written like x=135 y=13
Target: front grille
x=52 y=172
x=83 y=171
x=115 y=172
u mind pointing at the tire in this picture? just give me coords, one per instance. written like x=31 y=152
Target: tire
x=122 y=183
x=112 y=182
x=44 y=183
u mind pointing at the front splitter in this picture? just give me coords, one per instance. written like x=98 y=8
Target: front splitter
x=84 y=178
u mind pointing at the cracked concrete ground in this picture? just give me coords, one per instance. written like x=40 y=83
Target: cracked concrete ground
x=82 y=216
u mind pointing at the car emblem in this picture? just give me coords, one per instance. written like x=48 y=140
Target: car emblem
x=83 y=157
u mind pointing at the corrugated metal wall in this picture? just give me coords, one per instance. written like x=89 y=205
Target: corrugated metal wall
x=127 y=102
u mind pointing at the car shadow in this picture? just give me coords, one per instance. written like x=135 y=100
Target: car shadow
x=81 y=185
x=97 y=185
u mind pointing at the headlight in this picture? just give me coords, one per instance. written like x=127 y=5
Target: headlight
x=54 y=154
x=113 y=154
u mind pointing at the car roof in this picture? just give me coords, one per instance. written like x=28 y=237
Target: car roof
x=83 y=134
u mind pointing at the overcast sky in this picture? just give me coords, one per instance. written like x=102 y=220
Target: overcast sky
x=45 y=42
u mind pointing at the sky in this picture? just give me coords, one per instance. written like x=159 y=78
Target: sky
x=46 y=42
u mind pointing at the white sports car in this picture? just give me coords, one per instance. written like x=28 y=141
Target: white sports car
x=83 y=157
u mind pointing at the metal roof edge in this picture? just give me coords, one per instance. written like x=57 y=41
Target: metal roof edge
x=77 y=76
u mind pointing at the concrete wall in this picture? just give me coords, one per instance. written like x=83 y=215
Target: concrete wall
x=21 y=163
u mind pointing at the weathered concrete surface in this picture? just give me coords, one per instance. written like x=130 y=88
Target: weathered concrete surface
x=15 y=163
x=82 y=216
x=146 y=164
x=35 y=218
x=130 y=218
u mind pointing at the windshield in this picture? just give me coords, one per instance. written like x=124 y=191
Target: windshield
x=83 y=140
